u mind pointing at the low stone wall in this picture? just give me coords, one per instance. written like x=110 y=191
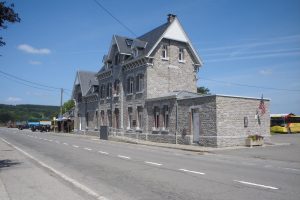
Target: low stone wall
x=160 y=138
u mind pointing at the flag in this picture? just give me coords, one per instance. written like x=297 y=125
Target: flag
x=262 y=106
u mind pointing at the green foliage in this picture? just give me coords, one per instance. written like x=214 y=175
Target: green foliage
x=203 y=90
x=7 y=14
x=68 y=106
x=26 y=112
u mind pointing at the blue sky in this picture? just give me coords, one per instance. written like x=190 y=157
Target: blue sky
x=254 y=43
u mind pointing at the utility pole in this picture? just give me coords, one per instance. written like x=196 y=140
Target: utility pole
x=61 y=100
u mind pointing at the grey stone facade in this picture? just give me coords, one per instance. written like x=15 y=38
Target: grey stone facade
x=146 y=90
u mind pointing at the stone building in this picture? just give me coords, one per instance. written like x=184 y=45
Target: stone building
x=147 y=88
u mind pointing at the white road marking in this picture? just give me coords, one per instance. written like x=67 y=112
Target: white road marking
x=125 y=157
x=258 y=185
x=63 y=176
x=65 y=143
x=88 y=149
x=57 y=141
x=195 y=172
x=153 y=163
x=94 y=139
x=50 y=140
x=103 y=152
x=75 y=146
x=291 y=169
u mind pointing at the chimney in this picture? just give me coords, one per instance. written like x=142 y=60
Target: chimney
x=171 y=18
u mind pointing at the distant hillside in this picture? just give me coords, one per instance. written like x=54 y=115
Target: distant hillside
x=26 y=112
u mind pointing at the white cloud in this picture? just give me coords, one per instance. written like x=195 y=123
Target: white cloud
x=265 y=72
x=13 y=99
x=34 y=62
x=29 y=49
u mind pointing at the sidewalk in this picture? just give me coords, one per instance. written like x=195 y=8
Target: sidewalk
x=20 y=179
x=195 y=147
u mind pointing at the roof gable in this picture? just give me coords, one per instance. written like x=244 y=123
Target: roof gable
x=174 y=31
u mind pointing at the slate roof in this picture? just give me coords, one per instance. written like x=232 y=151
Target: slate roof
x=153 y=36
x=178 y=94
x=125 y=48
x=86 y=79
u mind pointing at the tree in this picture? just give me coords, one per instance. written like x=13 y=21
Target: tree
x=7 y=14
x=68 y=106
x=203 y=90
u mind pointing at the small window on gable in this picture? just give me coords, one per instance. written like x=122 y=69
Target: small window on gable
x=164 y=51
x=181 y=54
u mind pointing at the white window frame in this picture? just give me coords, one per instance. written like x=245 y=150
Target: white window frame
x=181 y=54
x=165 y=52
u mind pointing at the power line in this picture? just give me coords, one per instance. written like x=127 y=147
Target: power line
x=115 y=18
x=252 y=86
x=26 y=84
x=34 y=83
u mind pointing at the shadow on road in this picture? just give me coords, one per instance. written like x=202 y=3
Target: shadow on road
x=7 y=163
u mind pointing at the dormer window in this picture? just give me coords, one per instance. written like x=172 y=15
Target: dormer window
x=181 y=55
x=164 y=52
x=129 y=42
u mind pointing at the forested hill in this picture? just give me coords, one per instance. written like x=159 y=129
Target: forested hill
x=26 y=112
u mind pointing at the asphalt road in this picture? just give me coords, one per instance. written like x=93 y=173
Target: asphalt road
x=112 y=170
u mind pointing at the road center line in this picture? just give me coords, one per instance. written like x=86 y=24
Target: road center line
x=63 y=176
x=75 y=146
x=125 y=157
x=258 y=185
x=65 y=143
x=88 y=149
x=153 y=163
x=103 y=152
x=195 y=172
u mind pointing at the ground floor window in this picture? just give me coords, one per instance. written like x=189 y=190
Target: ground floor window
x=109 y=118
x=166 y=117
x=130 y=117
x=117 y=118
x=102 y=117
x=140 y=116
x=156 y=117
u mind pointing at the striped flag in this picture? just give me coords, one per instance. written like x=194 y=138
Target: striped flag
x=262 y=106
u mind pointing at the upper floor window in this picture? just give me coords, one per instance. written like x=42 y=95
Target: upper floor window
x=164 y=51
x=79 y=97
x=117 y=87
x=140 y=82
x=102 y=91
x=181 y=54
x=135 y=52
x=117 y=59
x=130 y=85
x=108 y=90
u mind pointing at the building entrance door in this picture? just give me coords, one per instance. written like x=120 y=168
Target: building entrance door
x=196 y=126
